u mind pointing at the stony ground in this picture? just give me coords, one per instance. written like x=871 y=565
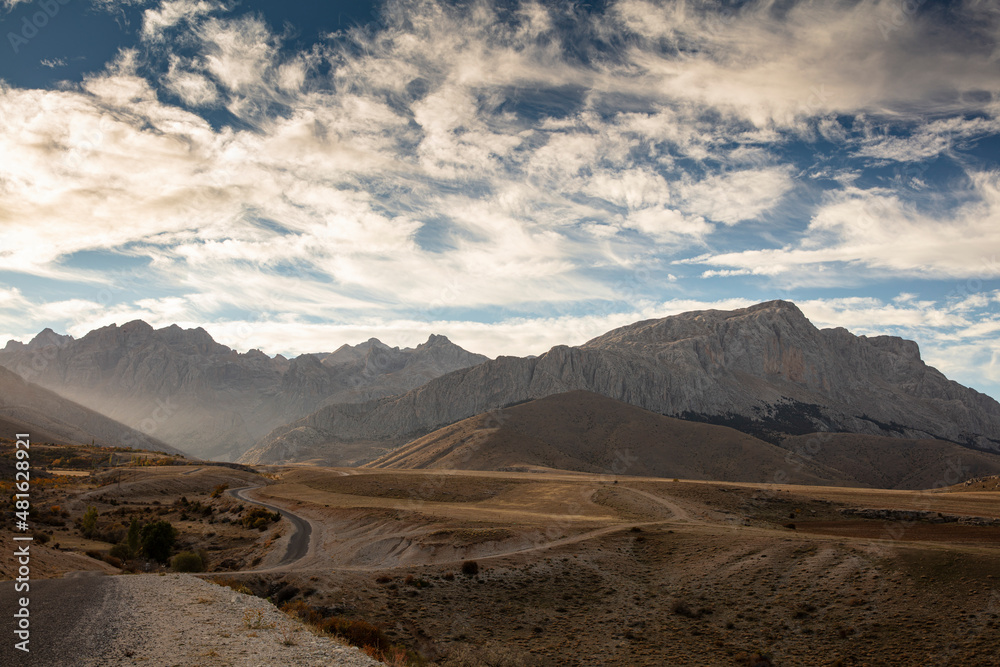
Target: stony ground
x=180 y=620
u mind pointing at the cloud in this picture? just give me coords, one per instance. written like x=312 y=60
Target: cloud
x=737 y=196
x=928 y=141
x=778 y=68
x=876 y=230
x=460 y=164
x=156 y=22
x=193 y=89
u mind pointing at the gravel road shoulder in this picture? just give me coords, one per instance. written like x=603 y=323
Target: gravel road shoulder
x=179 y=619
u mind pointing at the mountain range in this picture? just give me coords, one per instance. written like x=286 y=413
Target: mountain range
x=204 y=398
x=700 y=394
x=764 y=370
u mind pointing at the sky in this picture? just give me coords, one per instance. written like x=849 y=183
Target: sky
x=515 y=175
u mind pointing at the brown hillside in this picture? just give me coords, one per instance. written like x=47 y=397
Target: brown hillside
x=893 y=463
x=586 y=432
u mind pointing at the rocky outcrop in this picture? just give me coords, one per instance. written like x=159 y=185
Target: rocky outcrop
x=181 y=386
x=765 y=370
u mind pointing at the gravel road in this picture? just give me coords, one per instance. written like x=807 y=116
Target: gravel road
x=88 y=620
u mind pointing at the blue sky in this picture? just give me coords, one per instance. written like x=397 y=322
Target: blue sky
x=514 y=176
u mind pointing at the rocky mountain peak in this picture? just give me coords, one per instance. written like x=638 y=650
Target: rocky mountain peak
x=196 y=341
x=435 y=340
x=136 y=328
x=47 y=337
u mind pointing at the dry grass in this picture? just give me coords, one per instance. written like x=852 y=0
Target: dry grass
x=253 y=619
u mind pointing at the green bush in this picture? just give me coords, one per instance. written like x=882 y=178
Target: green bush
x=187 y=561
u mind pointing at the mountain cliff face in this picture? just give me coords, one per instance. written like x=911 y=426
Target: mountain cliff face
x=182 y=387
x=765 y=370
x=48 y=417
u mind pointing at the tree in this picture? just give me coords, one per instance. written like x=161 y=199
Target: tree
x=133 y=539
x=89 y=523
x=157 y=540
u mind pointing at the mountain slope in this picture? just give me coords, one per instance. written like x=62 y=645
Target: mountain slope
x=48 y=417
x=186 y=389
x=587 y=432
x=890 y=463
x=764 y=369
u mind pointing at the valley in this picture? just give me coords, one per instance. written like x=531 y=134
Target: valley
x=547 y=567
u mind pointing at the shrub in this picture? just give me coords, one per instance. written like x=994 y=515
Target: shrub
x=285 y=593
x=357 y=633
x=219 y=490
x=258 y=518
x=470 y=568
x=187 y=561
x=112 y=534
x=300 y=610
x=89 y=522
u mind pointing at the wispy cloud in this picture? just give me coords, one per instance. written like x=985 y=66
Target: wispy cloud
x=876 y=230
